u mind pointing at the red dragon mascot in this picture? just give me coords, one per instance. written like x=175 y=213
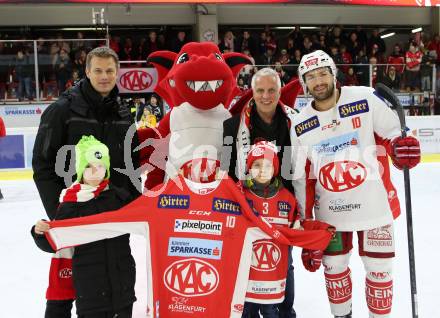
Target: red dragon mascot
x=198 y=83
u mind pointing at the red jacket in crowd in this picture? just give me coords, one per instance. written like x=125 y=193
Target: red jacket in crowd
x=413 y=60
x=398 y=61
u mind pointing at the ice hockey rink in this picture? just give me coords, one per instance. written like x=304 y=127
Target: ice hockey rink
x=25 y=268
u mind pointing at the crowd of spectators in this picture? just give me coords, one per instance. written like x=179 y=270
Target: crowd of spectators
x=408 y=67
x=62 y=62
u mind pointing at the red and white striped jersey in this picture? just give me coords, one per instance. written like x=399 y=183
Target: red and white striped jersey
x=341 y=164
x=267 y=277
x=199 y=245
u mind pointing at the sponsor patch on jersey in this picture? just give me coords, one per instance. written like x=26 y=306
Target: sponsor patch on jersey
x=187 y=247
x=307 y=125
x=340 y=205
x=333 y=145
x=198 y=226
x=226 y=206
x=342 y=176
x=265 y=256
x=358 y=107
x=284 y=206
x=183 y=305
x=191 y=278
x=173 y=201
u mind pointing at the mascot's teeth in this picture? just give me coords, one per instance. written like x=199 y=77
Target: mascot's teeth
x=172 y=83
x=198 y=85
x=213 y=85
x=202 y=86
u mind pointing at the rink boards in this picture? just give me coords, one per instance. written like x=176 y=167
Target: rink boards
x=16 y=147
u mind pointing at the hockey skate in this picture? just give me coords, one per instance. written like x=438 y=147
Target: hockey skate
x=345 y=316
x=1 y=195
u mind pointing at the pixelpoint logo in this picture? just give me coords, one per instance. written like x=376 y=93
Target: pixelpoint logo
x=198 y=226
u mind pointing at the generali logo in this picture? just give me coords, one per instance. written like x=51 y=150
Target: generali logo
x=136 y=80
x=266 y=256
x=191 y=278
x=342 y=175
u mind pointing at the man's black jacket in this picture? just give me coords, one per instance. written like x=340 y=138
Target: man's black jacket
x=81 y=111
x=277 y=131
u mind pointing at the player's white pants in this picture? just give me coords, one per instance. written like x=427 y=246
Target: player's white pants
x=378 y=267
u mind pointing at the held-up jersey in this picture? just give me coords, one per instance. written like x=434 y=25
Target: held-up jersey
x=199 y=245
x=267 y=277
x=340 y=161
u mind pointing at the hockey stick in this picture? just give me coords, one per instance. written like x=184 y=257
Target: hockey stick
x=388 y=95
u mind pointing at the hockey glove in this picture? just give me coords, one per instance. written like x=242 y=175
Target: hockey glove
x=405 y=152
x=311 y=259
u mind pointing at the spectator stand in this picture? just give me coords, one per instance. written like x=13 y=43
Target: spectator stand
x=39 y=70
x=416 y=102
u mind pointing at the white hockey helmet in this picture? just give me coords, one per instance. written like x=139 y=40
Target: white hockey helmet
x=312 y=61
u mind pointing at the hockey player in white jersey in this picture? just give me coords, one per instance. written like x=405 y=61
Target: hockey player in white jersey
x=341 y=173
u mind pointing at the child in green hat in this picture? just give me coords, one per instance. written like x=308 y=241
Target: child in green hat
x=99 y=275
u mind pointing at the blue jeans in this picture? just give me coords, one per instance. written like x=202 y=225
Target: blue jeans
x=24 y=87
x=286 y=307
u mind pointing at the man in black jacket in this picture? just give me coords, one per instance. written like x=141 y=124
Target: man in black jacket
x=264 y=118
x=90 y=108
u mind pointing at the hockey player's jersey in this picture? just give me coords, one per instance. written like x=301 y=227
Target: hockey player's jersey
x=340 y=161
x=199 y=245
x=267 y=277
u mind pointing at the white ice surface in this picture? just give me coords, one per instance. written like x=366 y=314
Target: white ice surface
x=24 y=268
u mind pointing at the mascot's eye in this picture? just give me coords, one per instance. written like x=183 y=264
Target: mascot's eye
x=183 y=58
x=218 y=57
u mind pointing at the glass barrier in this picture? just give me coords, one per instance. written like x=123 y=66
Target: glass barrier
x=40 y=70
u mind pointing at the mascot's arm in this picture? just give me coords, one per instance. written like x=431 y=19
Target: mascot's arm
x=289 y=93
x=155 y=151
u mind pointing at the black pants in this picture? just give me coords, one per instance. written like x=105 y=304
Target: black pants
x=253 y=310
x=58 y=309
x=286 y=307
x=122 y=313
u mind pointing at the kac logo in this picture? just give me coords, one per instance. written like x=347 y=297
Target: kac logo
x=265 y=256
x=191 y=278
x=342 y=175
x=136 y=80
x=65 y=273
